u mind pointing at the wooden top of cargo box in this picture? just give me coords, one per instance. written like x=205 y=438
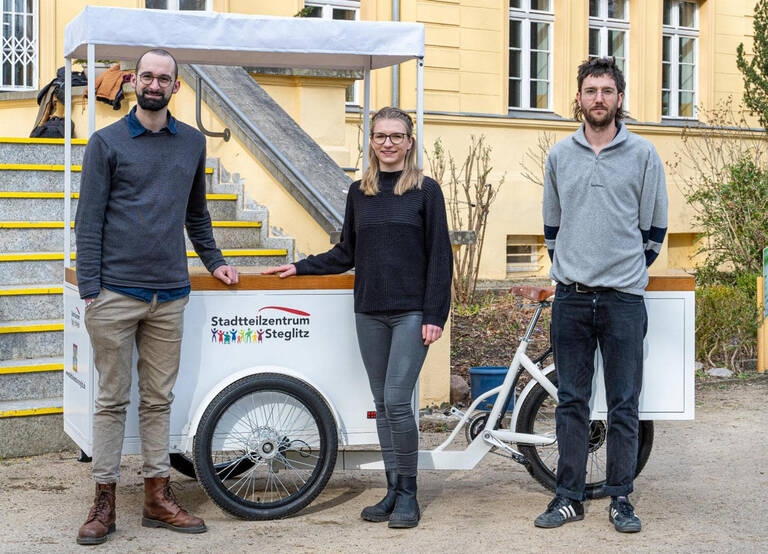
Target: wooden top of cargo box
x=251 y=279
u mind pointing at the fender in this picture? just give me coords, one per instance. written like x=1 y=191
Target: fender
x=524 y=394
x=191 y=427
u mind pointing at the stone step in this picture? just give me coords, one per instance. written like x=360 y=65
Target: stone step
x=50 y=177
x=21 y=302
x=34 y=406
x=39 y=151
x=49 y=206
x=20 y=236
x=249 y=256
x=31 y=378
x=39 y=270
x=37 y=177
x=21 y=339
x=32 y=427
x=41 y=267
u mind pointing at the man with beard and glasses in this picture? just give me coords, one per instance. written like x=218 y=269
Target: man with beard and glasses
x=605 y=217
x=143 y=180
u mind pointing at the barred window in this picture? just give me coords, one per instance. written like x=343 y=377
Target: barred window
x=18 y=68
x=530 y=54
x=525 y=253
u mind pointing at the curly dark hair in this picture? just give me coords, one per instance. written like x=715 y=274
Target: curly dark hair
x=597 y=67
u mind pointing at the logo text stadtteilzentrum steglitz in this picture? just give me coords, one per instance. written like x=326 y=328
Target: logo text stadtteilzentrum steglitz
x=254 y=329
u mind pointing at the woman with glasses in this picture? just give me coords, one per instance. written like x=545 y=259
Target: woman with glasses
x=395 y=235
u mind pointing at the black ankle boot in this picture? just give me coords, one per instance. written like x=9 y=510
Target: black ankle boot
x=406 y=513
x=381 y=511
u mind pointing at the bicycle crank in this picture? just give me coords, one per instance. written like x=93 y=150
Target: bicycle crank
x=514 y=454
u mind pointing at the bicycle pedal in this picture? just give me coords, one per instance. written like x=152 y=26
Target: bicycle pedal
x=455 y=411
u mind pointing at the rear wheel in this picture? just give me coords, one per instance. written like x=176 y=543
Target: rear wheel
x=537 y=416
x=279 y=425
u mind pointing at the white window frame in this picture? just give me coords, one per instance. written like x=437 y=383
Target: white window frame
x=327 y=7
x=675 y=32
x=526 y=16
x=604 y=25
x=173 y=5
x=32 y=51
x=327 y=13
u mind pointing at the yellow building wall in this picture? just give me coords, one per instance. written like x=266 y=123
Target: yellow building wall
x=317 y=105
x=467 y=45
x=465 y=73
x=466 y=55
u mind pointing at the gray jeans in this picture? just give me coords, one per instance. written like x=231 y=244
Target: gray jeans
x=114 y=321
x=393 y=352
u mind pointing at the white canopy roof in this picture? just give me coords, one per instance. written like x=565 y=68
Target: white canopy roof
x=246 y=40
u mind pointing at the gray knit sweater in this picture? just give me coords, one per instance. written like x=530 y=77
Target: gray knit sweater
x=605 y=216
x=137 y=193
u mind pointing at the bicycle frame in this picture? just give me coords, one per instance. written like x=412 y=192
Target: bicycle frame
x=491 y=436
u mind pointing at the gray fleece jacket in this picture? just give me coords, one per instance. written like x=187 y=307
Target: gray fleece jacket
x=605 y=216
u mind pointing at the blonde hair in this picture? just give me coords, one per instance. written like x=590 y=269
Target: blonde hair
x=411 y=177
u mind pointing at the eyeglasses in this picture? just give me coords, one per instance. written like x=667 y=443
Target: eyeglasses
x=162 y=80
x=394 y=138
x=592 y=92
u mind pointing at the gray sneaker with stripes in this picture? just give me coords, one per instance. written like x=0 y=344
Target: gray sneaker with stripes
x=560 y=510
x=622 y=514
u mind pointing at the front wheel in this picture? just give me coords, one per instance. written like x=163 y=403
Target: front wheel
x=282 y=429
x=537 y=416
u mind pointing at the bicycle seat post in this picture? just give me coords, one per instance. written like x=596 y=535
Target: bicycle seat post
x=534 y=320
x=539 y=295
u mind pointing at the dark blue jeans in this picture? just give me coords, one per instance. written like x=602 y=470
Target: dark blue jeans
x=618 y=322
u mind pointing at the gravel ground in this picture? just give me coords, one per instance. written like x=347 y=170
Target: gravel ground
x=705 y=489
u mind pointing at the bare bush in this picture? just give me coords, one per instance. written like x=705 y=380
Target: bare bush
x=469 y=196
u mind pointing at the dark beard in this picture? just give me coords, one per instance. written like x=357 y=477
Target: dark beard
x=152 y=104
x=603 y=122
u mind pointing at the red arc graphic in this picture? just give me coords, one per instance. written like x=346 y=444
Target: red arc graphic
x=289 y=310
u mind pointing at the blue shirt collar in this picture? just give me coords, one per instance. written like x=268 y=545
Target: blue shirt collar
x=136 y=128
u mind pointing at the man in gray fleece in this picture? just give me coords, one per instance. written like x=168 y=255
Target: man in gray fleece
x=605 y=217
x=143 y=180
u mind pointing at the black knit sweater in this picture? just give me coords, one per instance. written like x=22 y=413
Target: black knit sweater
x=399 y=247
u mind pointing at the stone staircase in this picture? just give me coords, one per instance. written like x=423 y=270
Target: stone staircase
x=31 y=274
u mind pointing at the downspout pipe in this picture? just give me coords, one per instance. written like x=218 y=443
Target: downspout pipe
x=396 y=68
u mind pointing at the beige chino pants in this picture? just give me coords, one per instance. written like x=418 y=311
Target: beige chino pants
x=114 y=321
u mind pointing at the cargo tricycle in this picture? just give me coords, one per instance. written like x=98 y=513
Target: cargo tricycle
x=272 y=396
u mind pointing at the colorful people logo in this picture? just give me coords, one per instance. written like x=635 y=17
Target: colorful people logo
x=237 y=336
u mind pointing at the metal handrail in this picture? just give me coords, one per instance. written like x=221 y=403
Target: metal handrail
x=273 y=149
x=225 y=134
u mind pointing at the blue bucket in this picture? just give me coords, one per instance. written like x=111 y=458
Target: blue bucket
x=485 y=378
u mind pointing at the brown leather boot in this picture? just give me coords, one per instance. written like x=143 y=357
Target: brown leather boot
x=101 y=518
x=162 y=509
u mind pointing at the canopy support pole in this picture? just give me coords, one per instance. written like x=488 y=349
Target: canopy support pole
x=366 y=111
x=420 y=110
x=67 y=160
x=91 y=90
